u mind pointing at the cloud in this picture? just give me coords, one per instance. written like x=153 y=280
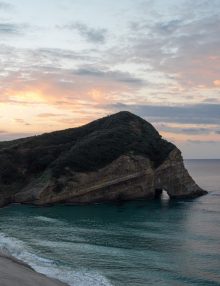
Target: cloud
x=167 y=27
x=184 y=46
x=201 y=113
x=12 y=136
x=10 y=29
x=22 y=121
x=27 y=71
x=51 y=54
x=180 y=129
x=211 y=100
x=217 y=83
x=119 y=76
x=92 y=35
x=50 y=115
x=5 y=6
x=203 y=142
x=41 y=85
x=196 y=130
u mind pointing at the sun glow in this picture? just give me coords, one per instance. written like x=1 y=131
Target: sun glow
x=29 y=96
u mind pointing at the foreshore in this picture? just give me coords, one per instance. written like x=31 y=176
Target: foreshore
x=17 y=273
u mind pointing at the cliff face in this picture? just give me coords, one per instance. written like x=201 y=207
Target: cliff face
x=173 y=177
x=120 y=157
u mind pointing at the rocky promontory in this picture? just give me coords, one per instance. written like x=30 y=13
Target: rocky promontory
x=116 y=158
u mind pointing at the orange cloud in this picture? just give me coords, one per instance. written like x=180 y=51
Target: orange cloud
x=216 y=83
x=71 y=98
x=97 y=95
x=28 y=96
x=66 y=86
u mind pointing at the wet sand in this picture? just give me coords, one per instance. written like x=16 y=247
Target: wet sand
x=15 y=272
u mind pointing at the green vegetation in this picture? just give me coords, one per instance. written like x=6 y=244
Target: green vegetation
x=82 y=149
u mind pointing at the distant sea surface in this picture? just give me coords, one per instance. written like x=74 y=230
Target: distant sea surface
x=160 y=243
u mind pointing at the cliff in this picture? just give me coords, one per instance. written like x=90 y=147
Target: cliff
x=119 y=157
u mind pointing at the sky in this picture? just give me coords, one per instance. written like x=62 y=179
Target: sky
x=64 y=63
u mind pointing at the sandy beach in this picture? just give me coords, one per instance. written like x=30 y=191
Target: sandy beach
x=16 y=273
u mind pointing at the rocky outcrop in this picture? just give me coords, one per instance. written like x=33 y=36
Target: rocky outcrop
x=173 y=177
x=127 y=178
x=140 y=169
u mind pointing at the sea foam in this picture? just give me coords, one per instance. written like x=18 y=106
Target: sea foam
x=81 y=277
x=48 y=219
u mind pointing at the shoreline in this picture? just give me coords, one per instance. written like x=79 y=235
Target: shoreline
x=16 y=272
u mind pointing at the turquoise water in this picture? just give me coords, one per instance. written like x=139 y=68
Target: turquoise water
x=161 y=243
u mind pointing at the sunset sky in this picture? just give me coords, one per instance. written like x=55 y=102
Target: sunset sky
x=67 y=62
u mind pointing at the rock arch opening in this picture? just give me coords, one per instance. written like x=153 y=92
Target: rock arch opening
x=161 y=194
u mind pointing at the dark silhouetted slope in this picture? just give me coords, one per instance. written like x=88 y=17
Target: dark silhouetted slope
x=62 y=154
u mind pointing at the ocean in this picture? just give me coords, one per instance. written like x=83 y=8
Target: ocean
x=160 y=243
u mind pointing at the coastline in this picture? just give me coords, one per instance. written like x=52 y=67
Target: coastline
x=16 y=272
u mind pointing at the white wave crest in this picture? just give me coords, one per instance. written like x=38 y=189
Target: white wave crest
x=81 y=277
x=47 y=219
